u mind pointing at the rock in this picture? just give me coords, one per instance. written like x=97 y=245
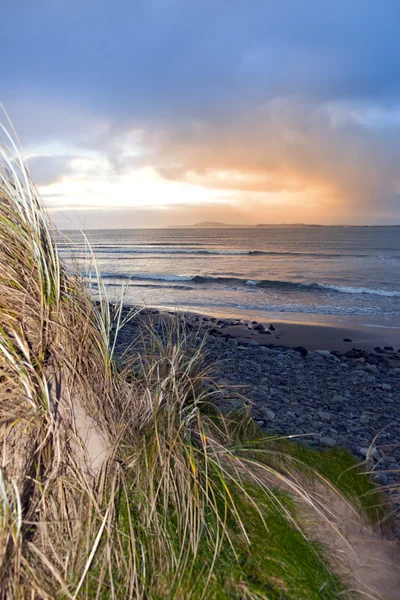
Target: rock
x=324 y=416
x=360 y=361
x=259 y=327
x=301 y=350
x=394 y=372
x=271 y=328
x=370 y=368
x=231 y=342
x=215 y=331
x=364 y=420
x=386 y=386
x=324 y=354
x=266 y=350
x=354 y=353
x=370 y=452
x=378 y=349
x=253 y=344
x=347 y=340
x=381 y=478
x=268 y=414
x=388 y=348
x=338 y=399
x=389 y=459
x=328 y=441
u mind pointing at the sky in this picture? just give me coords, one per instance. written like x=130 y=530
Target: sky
x=168 y=112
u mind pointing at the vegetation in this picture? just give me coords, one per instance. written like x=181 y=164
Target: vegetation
x=168 y=498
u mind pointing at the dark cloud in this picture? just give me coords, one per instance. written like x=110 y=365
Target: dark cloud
x=157 y=59
x=49 y=169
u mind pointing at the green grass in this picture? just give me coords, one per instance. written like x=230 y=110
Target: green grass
x=335 y=466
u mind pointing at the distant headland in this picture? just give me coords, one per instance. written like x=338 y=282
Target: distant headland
x=218 y=225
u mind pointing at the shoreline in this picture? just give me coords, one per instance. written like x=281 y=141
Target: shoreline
x=291 y=334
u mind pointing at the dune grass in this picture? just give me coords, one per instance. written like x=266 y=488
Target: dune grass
x=180 y=503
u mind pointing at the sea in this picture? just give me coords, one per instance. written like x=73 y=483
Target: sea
x=343 y=275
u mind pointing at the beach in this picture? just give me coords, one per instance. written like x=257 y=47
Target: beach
x=305 y=381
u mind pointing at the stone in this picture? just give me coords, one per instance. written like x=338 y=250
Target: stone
x=253 y=344
x=329 y=441
x=338 y=399
x=394 y=372
x=386 y=386
x=271 y=328
x=369 y=453
x=324 y=354
x=347 y=340
x=381 y=478
x=268 y=414
x=259 y=327
x=370 y=368
x=324 y=416
x=266 y=350
x=388 y=348
x=231 y=342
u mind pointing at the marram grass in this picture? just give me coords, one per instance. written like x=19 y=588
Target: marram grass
x=179 y=503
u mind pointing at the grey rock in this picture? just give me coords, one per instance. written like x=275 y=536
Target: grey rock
x=231 y=342
x=329 y=441
x=253 y=344
x=337 y=398
x=268 y=414
x=381 y=478
x=394 y=372
x=369 y=453
x=325 y=416
x=266 y=350
x=386 y=386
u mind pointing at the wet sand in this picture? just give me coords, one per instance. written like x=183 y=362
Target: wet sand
x=309 y=335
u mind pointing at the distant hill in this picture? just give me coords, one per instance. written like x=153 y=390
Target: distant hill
x=269 y=225
x=218 y=225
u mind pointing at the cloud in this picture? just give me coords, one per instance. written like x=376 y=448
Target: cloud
x=257 y=98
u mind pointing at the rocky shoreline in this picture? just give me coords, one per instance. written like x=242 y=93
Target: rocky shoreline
x=342 y=398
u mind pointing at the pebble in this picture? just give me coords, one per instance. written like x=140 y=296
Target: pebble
x=268 y=414
x=326 y=440
x=369 y=453
x=325 y=416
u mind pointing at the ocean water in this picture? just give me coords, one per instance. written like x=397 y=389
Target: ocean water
x=330 y=274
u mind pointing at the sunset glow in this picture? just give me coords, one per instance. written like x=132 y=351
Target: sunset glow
x=274 y=113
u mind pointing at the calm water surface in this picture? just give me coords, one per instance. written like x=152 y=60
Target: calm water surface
x=329 y=274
